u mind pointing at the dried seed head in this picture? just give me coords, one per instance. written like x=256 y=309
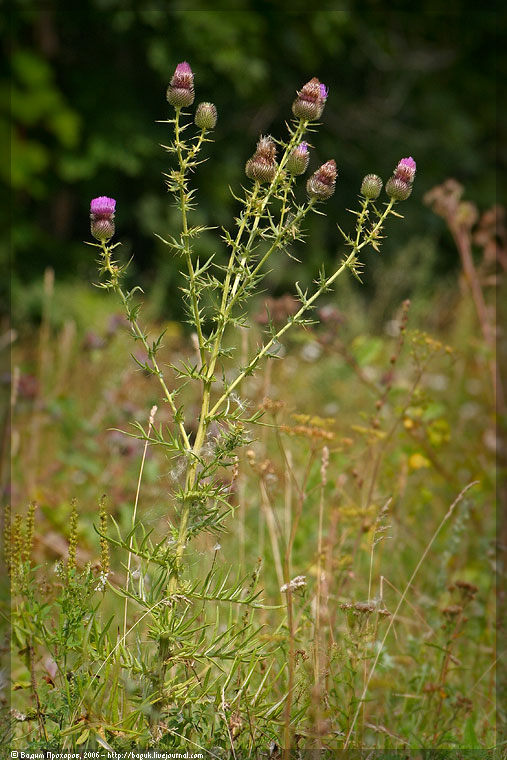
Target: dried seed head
x=30 y=528
x=321 y=184
x=71 y=561
x=324 y=465
x=180 y=92
x=17 y=546
x=7 y=537
x=104 y=545
x=364 y=608
x=452 y=611
x=206 y=116
x=310 y=100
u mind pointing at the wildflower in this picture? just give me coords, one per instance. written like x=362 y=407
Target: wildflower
x=406 y=170
x=371 y=186
x=262 y=166
x=206 y=116
x=102 y=582
x=310 y=100
x=297 y=161
x=321 y=184
x=180 y=92
x=102 y=210
x=399 y=187
x=298 y=582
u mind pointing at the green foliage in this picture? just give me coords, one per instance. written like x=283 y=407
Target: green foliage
x=225 y=655
x=359 y=499
x=81 y=129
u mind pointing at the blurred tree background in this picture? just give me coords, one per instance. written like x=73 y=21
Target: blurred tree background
x=88 y=86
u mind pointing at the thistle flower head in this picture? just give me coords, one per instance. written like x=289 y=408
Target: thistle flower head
x=182 y=69
x=297 y=161
x=399 y=187
x=180 y=92
x=102 y=210
x=206 y=116
x=103 y=206
x=310 y=101
x=371 y=186
x=262 y=166
x=406 y=170
x=321 y=184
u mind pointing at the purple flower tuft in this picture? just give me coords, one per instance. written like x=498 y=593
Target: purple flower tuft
x=103 y=206
x=408 y=162
x=102 y=217
x=324 y=91
x=183 y=68
x=180 y=92
x=399 y=186
x=406 y=170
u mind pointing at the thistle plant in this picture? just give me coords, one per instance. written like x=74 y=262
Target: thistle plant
x=271 y=220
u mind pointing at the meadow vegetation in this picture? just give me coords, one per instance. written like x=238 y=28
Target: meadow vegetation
x=272 y=527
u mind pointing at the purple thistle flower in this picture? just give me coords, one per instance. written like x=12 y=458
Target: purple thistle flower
x=310 y=101
x=102 y=210
x=406 y=170
x=103 y=206
x=183 y=68
x=180 y=92
x=399 y=186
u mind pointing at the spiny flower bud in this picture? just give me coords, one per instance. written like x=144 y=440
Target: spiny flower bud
x=206 y=116
x=180 y=92
x=321 y=184
x=262 y=166
x=398 y=189
x=371 y=186
x=102 y=210
x=297 y=161
x=310 y=101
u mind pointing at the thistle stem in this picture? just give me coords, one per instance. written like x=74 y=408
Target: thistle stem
x=265 y=349
x=225 y=307
x=114 y=283
x=183 y=163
